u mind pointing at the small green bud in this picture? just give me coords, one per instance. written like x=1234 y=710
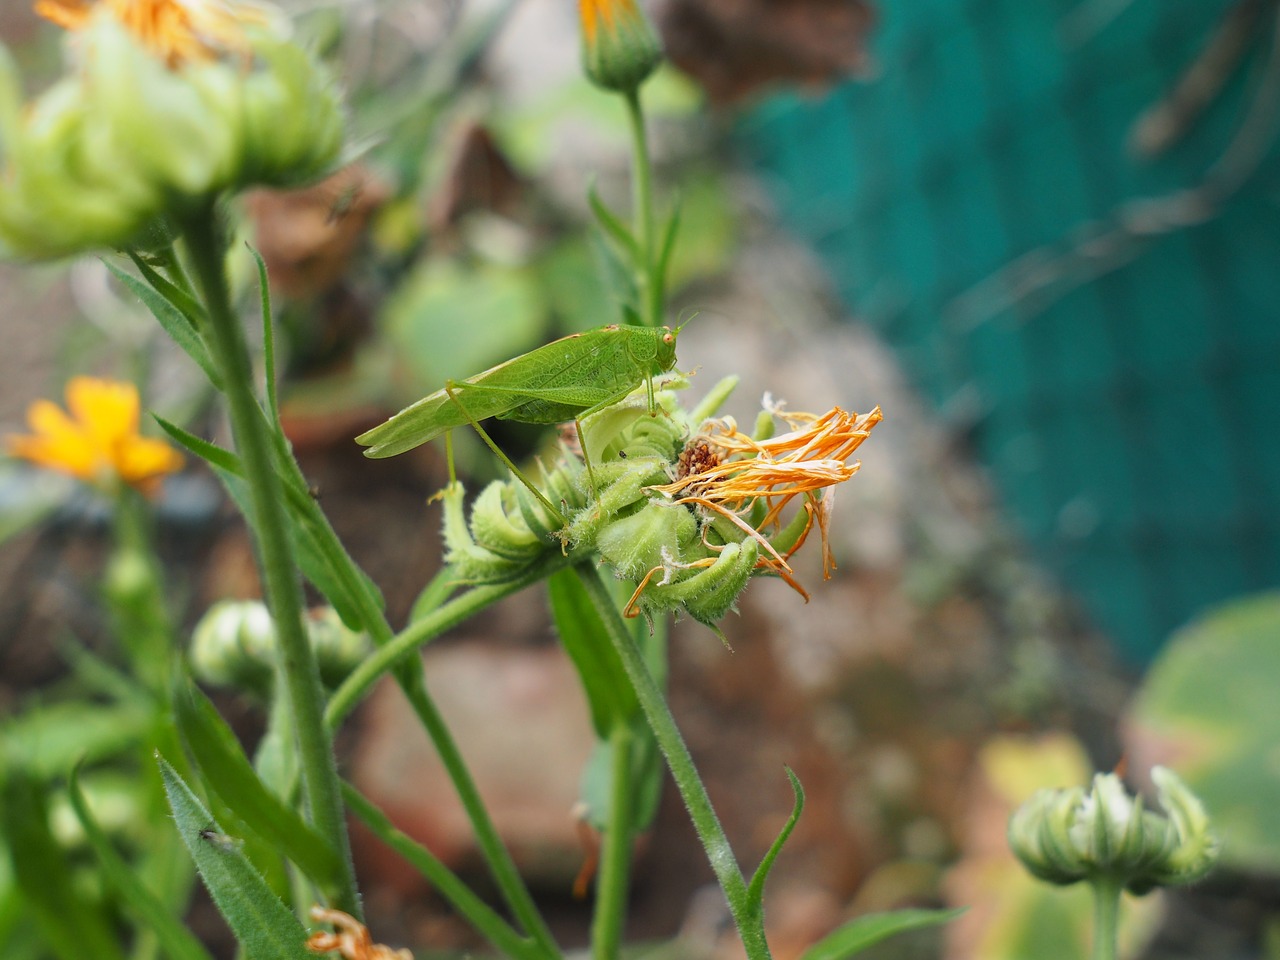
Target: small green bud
x=1064 y=836
x=620 y=47
x=235 y=645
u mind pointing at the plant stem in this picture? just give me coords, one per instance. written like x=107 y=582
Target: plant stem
x=615 y=858
x=207 y=249
x=642 y=191
x=423 y=631
x=1106 y=915
x=749 y=922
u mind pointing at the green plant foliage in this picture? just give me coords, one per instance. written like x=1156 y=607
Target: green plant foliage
x=867 y=931
x=74 y=925
x=1207 y=708
x=176 y=940
x=265 y=928
x=229 y=772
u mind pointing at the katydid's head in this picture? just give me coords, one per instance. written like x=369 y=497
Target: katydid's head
x=667 y=348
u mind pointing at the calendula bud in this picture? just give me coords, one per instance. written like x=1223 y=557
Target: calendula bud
x=235 y=644
x=620 y=47
x=1064 y=836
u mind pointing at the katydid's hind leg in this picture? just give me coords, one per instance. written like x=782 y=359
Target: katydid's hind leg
x=450 y=388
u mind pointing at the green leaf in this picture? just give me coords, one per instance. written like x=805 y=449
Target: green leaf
x=232 y=777
x=175 y=322
x=268 y=337
x=755 y=892
x=74 y=926
x=46 y=741
x=183 y=301
x=265 y=928
x=866 y=931
x=614 y=228
x=664 y=253
x=1206 y=709
x=646 y=779
x=173 y=936
x=211 y=453
x=608 y=689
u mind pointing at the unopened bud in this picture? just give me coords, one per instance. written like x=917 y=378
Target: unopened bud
x=1064 y=836
x=620 y=47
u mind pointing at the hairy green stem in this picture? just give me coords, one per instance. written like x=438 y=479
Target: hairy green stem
x=749 y=922
x=615 y=857
x=642 y=190
x=1106 y=916
x=207 y=250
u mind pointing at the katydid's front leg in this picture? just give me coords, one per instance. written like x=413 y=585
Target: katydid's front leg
x=603 y=404
x=451 y=388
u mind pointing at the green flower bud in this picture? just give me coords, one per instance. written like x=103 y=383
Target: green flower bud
x=235 y=645
x=620 y=48
x=1064 y=836
x=648 y=538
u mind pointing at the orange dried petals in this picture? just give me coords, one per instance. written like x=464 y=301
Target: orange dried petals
x=351 y=940
x=178 y=31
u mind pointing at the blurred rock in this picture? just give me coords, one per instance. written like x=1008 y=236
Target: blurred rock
x=520 y=720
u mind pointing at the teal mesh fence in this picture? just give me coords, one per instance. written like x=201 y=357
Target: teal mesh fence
x=1105 y=326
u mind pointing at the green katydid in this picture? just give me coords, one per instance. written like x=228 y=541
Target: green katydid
x=568 y=379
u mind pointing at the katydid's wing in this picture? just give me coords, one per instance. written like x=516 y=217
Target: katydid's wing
x=497 y=391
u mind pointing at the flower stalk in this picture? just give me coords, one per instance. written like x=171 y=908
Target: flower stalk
x=207 y=249
x=750 y=923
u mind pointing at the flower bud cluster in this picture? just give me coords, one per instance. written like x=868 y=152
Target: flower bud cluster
x=235 y=644
x=1064 y=836
x=685 y=554
x=152 y=123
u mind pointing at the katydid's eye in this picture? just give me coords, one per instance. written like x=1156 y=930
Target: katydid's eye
x=668 y=338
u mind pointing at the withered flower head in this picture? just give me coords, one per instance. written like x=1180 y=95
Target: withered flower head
x=352 y=941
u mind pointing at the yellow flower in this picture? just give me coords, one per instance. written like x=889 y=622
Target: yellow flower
x=178 y=31
x=352 y=941
x=619 y=46
x=99 y=442
x=727 y=472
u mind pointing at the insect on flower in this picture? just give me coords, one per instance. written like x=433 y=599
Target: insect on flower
x=352 y=939
x=726 y=473
x=99 y=441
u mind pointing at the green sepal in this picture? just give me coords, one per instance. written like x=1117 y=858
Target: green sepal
x=264 y=927
x=174 y=937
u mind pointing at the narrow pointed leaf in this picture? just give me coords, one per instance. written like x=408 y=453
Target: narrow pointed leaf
x=174 y=937
x=228 y=771
x=614 y=228
x=211 y=453
x=174 y=321
x=264 y=927
x=867 y=931
x=608 y=689
x=268 y=337
x=664 y=253
x=755 y=892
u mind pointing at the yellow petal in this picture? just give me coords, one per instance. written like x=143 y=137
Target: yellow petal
x=140 y=459
x=106 y=410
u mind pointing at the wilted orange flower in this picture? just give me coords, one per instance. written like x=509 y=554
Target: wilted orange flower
x=178 y=31
x=99 y=442
x=352 y=940
x=727 y=471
